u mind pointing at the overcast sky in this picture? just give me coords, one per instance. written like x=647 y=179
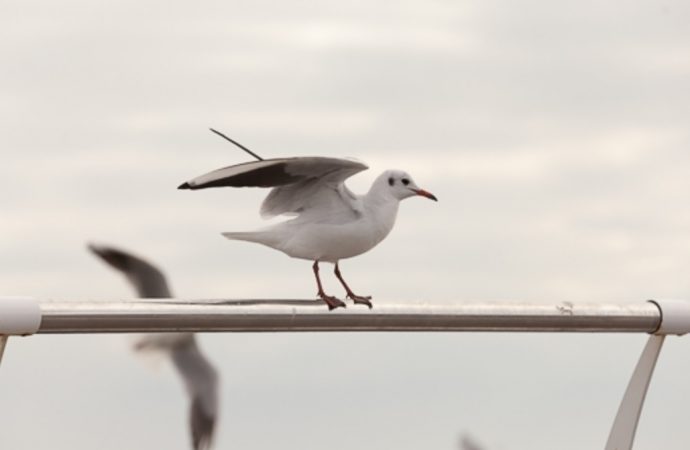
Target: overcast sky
x=554 y=134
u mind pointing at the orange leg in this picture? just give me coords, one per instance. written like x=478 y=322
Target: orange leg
x=351 y=295
x=331 y=301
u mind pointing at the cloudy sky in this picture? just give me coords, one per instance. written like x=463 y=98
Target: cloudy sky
x=554 y=134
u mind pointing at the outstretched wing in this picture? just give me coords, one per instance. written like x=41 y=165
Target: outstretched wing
x=299 y=184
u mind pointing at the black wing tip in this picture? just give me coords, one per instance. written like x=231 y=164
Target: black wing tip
x=184 y=185
x=114 y=257
x=103 y=250
x=96 y=249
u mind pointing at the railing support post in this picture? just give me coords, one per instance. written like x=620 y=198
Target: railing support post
x=3 y=343
x=624 y=426
x=675 y=319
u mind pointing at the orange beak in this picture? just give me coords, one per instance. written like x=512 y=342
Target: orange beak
x=426 y=194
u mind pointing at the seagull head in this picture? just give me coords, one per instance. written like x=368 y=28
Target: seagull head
x=400 y=185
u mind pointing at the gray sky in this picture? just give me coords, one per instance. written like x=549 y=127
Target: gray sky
x=554 y=134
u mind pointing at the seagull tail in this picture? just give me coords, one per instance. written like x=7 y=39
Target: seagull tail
x=260 y=237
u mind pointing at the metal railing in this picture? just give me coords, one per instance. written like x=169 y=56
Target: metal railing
x=23 y=316
x=289 y=316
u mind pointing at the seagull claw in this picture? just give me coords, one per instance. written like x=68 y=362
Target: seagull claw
x=358 y=299
x=332 y=302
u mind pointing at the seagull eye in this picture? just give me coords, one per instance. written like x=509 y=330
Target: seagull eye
x=391 y=181
x=405 y=181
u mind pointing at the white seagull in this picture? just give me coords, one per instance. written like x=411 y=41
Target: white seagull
x=331 y=222
x=199 y=376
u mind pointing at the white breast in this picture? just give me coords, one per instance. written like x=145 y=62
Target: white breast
x=332 y=242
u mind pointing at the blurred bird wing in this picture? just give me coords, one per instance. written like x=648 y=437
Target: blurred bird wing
x=201 y=382
x=147 y=279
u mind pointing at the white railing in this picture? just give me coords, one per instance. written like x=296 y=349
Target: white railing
x=24 y=316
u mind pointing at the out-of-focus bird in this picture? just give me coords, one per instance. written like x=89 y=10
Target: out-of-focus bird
x=467 y=443
x=198 y=375
x=331 y=222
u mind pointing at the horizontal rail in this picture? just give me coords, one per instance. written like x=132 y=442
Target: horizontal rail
x=161 y=315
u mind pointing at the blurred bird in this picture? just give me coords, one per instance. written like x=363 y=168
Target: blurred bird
x=466 y=443
x=198 y=375
x=331 y=222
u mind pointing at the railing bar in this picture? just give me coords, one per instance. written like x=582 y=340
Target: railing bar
x=156 y=315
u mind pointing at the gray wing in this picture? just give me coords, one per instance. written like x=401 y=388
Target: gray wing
x=201 y=381
x=299 y=184
x=145 y=278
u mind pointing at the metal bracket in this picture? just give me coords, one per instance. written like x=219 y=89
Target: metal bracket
x=19 y=316
x=675 y=316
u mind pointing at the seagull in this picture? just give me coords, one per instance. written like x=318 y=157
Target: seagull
x=199 y=376
x=467 y=443
x=329 y=221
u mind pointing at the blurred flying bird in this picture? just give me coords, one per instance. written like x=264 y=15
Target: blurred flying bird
x=330 y=222
x=198 y=375
x=466 y=443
